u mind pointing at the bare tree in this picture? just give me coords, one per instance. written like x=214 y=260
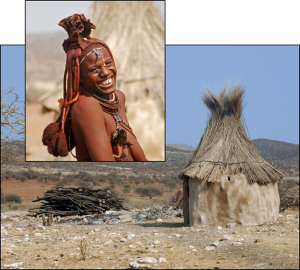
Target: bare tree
x=12 y=119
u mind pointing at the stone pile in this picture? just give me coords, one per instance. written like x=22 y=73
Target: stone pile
x=113 y=217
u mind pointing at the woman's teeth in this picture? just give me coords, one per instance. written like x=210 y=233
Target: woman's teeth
x=106 y=82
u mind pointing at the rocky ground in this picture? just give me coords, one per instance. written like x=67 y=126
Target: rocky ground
x=151 y=238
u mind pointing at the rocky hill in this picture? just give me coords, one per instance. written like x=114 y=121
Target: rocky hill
x=270 y=149
x=284 y=156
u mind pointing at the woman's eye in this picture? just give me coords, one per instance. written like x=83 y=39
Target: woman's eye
x=108 y=63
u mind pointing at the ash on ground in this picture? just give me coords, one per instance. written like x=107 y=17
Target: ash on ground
x=113 y=217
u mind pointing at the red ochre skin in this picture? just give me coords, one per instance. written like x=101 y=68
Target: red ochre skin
x=91 y=126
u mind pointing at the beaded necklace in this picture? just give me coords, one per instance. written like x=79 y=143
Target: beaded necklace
x=112 y=107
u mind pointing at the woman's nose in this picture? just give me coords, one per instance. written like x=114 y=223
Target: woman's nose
x=104 y=71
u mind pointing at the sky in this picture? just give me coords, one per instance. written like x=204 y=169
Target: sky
x=270 y=75
x=50 y=13
x=13 y=75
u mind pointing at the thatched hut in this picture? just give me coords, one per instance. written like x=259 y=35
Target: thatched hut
x=227 y=180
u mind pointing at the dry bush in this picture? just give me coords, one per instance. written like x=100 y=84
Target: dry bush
x=83 y=247
x=23 y=178
x=150 y=191
x=11 y=198
x=288 y=187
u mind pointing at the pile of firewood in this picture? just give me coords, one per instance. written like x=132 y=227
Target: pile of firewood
x=77 y=201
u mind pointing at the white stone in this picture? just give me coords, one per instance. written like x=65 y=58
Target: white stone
x=131 y=246
x=84 y=220
x=37 y=234
x=194 y=250
x=129 y=235
x=240 y=240
x=177 y=235
x=219 y=227
x=156 y=242
x=159 y=220
x=147 y=260
x=226 y=237
x=13 y=265
x=210 y=248
x=123 y=240
x=236 y=243
x=112 y=235
x=109 y=242
x=134 y=264
x=215 y=244
x=191 y=246
x=162 y=260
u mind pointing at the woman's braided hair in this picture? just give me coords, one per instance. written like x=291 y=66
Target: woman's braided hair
x=79 y=29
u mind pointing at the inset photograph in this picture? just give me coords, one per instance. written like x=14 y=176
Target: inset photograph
x=95 y=86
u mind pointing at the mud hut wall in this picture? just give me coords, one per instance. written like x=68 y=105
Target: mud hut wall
x=186 y=201
x=231 y=199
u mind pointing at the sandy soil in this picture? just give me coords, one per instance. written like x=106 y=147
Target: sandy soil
x=273 y=246
x=24 y=239
x=28 y=190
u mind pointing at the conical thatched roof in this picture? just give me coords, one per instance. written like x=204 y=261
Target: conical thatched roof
x=134 y=31
x=225 y=143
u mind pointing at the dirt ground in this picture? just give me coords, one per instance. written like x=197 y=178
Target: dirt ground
x=24 y=239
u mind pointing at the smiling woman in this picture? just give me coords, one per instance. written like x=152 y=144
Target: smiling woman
x=92 y=114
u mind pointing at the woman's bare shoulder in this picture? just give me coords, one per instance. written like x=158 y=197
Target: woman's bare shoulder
x=121 y=96
x=86 y=105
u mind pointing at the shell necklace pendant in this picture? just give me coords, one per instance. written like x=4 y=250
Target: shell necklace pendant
x=118 y=118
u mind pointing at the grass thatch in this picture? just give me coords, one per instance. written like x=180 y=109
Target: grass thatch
x=134 y=31
x=225 y=143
